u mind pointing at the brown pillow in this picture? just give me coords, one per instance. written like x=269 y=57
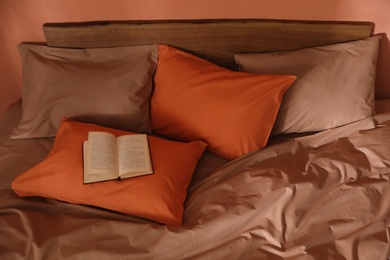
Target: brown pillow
x=335 y=84
x=106 y=86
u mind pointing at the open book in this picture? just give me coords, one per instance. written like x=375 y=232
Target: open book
x=107 y=157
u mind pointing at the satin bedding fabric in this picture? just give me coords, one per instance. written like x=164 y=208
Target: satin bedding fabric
x=322 y=196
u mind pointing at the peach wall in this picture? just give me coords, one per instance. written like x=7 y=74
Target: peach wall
x=21 y=20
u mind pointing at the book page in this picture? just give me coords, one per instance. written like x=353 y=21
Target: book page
x=133 y=155
x=103 y=153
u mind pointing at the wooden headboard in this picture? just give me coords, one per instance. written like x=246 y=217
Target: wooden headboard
x=214 y=40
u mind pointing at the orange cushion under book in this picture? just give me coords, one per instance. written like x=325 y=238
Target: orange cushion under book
x=159 y=196
x=232 y=111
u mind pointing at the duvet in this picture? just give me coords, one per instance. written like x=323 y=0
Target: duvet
x=316 y=196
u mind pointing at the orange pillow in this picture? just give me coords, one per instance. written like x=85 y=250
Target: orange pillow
x=159 y=196
x=194 y=99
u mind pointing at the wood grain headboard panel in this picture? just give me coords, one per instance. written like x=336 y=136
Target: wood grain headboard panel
x=215 y=40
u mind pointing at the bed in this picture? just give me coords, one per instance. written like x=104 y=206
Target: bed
x=266 y=140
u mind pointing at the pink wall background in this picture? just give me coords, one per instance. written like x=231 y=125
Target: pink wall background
x=21 y=20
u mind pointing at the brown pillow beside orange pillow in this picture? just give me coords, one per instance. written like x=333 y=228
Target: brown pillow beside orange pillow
x=159 y=196
x=335 y=83
x=194 y=99
x=105 y=86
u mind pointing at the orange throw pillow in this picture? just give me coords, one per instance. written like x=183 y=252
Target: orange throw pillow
x=159 y=196
x=194 y=99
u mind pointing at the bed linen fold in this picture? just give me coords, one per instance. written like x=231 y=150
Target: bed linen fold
x=321 y=196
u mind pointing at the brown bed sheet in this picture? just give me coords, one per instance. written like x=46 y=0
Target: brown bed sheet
x=322 y=196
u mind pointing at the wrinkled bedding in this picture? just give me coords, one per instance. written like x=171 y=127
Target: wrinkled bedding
x=320 y=196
